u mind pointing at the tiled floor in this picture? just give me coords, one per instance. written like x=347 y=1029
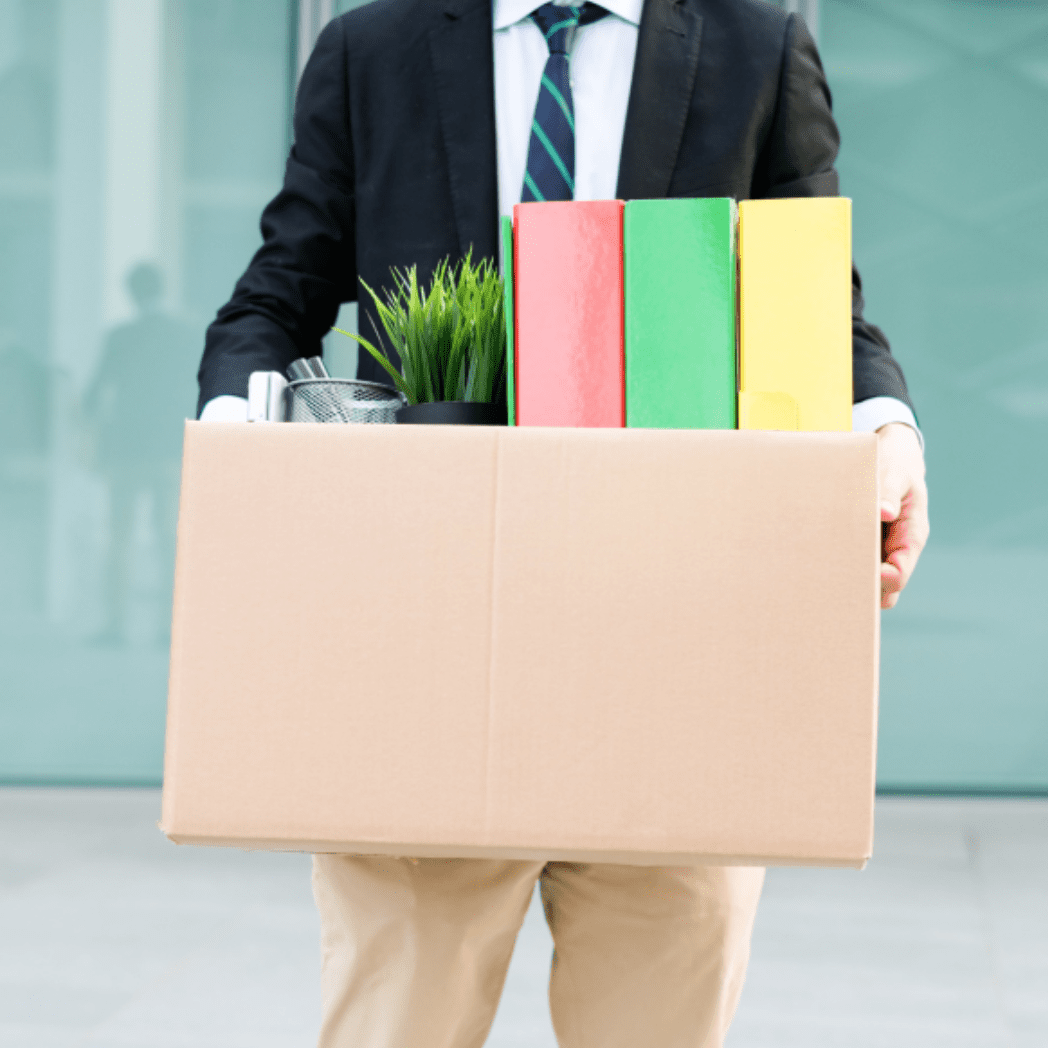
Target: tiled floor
x=110 y=937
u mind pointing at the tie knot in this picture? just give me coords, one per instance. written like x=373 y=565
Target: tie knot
x=558 y=22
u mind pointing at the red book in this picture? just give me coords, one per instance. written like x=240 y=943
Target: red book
x=569 y=314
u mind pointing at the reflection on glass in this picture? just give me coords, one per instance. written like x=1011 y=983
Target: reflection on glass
x=139 y=140
x=135 y=406
x=154 y=131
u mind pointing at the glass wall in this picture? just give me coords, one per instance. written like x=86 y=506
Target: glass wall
x=942 y=106
x=139 y=140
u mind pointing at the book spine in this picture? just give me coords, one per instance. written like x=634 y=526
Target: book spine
x=569 y=307
x=680 y=313
x=795 y=331
x=508 y=269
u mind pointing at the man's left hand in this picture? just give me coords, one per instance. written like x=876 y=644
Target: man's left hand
x=904 y=507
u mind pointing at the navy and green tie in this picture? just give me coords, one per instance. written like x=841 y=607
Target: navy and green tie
x=550 y=174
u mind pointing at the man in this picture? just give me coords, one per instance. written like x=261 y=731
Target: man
x=417 y=123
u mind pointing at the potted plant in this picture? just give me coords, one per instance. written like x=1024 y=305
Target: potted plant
x=451 y=340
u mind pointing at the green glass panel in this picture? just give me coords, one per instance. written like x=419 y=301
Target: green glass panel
x=149 y=147
x=140 y=141
x=939 y=103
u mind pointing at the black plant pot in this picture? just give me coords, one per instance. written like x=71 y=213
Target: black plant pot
x=453 y=413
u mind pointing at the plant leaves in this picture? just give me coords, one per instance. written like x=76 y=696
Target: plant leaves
x=450 y=337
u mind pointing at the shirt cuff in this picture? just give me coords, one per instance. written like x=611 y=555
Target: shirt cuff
x=225 y=409
x=869 y=415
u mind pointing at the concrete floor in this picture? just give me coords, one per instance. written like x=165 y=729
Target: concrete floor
x=110 y=937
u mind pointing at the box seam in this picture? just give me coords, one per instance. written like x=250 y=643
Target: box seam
x=492 y=577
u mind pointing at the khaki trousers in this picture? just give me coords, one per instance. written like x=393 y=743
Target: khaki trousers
x=415 y=952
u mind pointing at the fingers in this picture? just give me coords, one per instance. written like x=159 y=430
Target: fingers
x=906 y=538
x=904 y=508
x=891 y=585
x=897 y=481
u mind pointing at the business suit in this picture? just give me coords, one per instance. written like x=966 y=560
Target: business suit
x=394 y=159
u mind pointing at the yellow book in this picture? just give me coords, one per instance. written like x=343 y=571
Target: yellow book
x=795 y=331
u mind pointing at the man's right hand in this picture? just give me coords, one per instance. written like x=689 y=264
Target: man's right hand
x=904 y=507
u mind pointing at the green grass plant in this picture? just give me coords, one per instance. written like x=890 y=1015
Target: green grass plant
x=451 y=337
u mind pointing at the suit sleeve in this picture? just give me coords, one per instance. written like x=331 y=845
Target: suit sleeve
x=797 y=160
x=289 y=296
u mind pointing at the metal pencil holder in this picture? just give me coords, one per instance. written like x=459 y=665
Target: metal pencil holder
x=341 y=400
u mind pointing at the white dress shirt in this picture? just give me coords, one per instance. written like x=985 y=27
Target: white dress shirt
x=602 y=57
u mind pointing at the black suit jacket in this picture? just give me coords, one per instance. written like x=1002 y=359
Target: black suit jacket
x=393 y=162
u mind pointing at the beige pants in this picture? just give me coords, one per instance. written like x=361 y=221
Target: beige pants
x=415 y=953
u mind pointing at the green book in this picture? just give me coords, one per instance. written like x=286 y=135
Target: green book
x=679 y=260
x=507 y=280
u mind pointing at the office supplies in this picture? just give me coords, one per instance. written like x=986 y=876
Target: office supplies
x=795 y=326
x=679 y=260
x=568 y=290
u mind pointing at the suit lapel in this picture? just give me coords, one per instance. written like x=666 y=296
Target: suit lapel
x=663 y=82
x=463 y=69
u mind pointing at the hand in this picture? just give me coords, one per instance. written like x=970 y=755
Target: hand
x=904 y=507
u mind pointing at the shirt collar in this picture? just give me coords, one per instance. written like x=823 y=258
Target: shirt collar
x=509 y=12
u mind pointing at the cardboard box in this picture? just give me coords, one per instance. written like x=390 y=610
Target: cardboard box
x=679 y=260
x=568 y=275
x=640 y=646
x=795 y=325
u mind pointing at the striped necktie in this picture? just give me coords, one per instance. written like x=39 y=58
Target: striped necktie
x=550 y=174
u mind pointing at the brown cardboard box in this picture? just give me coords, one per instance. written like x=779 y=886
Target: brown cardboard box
x=642 y=646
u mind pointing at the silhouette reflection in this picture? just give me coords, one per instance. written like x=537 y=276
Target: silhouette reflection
x=135 y=407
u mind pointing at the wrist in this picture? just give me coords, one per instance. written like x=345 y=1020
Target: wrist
x=900 y=431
